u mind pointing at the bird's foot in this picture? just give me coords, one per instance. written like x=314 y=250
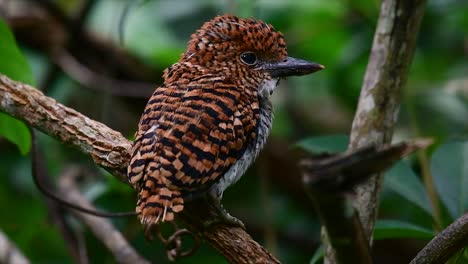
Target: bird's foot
x=222 y=216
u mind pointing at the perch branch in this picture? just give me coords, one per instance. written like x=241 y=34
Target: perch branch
x=106 y=147
x=9 y=253
x=445 y=244
x=110 y=150
x=391 y=54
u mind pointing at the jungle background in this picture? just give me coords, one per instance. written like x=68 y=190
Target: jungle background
x=104 y=58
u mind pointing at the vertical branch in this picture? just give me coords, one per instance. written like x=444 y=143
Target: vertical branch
x=392 y=51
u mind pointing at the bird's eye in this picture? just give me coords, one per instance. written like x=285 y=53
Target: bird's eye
x=248 y=58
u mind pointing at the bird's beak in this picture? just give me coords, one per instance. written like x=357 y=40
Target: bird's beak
x=291 y=67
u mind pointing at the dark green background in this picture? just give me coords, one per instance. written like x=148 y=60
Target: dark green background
x=312 y=110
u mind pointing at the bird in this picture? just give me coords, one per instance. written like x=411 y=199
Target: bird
x=208 y=121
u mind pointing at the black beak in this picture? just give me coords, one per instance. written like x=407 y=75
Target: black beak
x=291 y=67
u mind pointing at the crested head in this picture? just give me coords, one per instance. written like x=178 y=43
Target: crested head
x=247 y=50
x=227 y=37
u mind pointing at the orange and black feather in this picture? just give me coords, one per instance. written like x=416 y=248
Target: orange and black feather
x=189 y=136
x=200 y=122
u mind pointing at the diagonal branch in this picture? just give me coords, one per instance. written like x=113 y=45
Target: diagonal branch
x=122 y=251
x=57 y=212
x=110 y=150
x=445 y=244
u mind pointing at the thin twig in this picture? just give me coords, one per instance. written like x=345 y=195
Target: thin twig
x=56 y=210
x=445 y=244
x=122 y=251
x=9 y=253
x=86 y=77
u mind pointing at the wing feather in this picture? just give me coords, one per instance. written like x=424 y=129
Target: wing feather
x=188 y=137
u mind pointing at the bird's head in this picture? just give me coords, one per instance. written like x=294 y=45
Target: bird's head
x=247 y=50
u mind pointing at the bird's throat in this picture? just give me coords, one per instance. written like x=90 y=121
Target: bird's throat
x=267 y=87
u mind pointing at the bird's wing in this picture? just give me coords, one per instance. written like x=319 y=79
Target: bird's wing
x=188 y=137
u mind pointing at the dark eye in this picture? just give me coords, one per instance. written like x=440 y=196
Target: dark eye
x=248 y=58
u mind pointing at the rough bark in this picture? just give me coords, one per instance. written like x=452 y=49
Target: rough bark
x=392 y=51
x=110 y=150
x=106 y=147
x=236 y=245
x=247 y=251
x=447 y=243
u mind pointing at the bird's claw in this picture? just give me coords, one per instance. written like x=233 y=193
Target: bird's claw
x=222 y=216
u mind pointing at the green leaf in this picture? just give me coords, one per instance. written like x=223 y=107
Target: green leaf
x=331 y=144
x=16 y=132
x=385 y=229
x=450 y=171
x=14 y=65
x=318 y=255
x=402 y=180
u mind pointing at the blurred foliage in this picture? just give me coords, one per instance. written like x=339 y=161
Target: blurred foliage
x=450 y=174
x=14 y=65
x=310 y=110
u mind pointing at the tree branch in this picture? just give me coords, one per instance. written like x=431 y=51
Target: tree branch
x=392 y=51
x=445 y=244
x=110 y=150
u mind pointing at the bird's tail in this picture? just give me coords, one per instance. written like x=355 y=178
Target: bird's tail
x=158 y=205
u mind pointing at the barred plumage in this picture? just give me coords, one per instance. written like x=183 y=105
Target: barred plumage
x=206 y=124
